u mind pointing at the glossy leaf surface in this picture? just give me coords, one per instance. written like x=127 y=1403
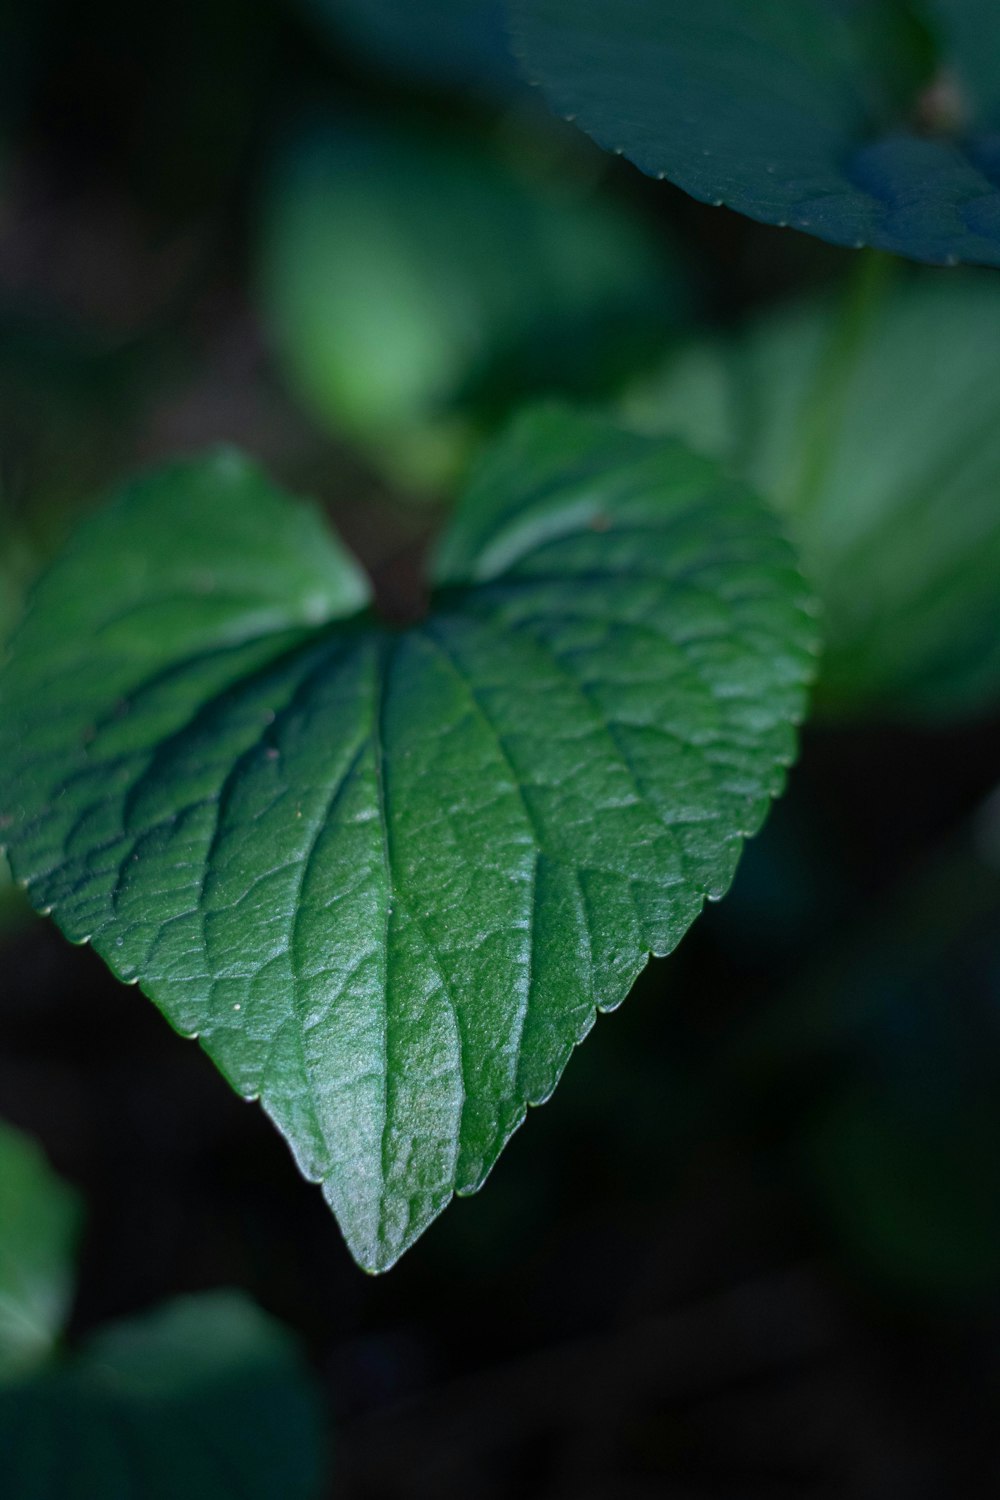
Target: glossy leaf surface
x=874 y=423
x=865 y=122
x=205 y=1397
x=39 y=1219
x=388 y=876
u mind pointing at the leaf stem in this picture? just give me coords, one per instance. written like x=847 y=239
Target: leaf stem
x=864 y=294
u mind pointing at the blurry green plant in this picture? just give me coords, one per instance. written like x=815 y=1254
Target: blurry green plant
x=872 y=421
x=39 y=1223
x=204 y=1396
x=389 y=871
x=472 y=277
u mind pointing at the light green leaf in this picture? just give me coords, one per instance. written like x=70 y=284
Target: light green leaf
x=388 y=876
x=204 y=1398
x=39 y=1220
x=414 y=285
x=875 y=426
x=865 y=122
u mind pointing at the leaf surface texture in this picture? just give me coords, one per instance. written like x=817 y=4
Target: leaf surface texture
x=388 y=876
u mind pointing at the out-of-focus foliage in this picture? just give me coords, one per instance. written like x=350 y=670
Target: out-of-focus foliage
x=894 y=1037
x=204 y=1397
x=866 y=122
x=462 y=43
x=416 y=284
x=873 y=422
x=39 y=1219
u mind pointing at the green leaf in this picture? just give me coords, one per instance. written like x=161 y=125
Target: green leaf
x=461 y=43
x=10 y=591
x=875 y=426
x=205 y=1397
x=39 y=1220
x=8 y=608
x=13 y=908
x=388 y=876
x=414 y=285
x=792 y=113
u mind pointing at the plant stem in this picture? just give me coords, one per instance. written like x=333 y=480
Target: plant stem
x=864 y=294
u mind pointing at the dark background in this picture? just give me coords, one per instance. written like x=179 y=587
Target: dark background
x=752 y=1249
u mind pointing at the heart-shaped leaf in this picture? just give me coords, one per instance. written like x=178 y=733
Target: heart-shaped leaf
x=873 y=422
x=865 y=122
x=386 y=875
x=39 y=1219
x=205 y=1397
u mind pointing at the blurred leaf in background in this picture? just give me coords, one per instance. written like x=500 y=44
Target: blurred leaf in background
x=456 y=43
x=417 y=284
x=39 y=1224
x=865 y=122
x=873 y=422
x=203 y=1397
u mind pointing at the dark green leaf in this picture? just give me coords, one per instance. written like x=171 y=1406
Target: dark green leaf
x=14 y=565
x=8 y=604
x=792 y=113
x=411 y=283
x=205 y=1398
x=388 y=876
x=875 y=426
x=39 y=1218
